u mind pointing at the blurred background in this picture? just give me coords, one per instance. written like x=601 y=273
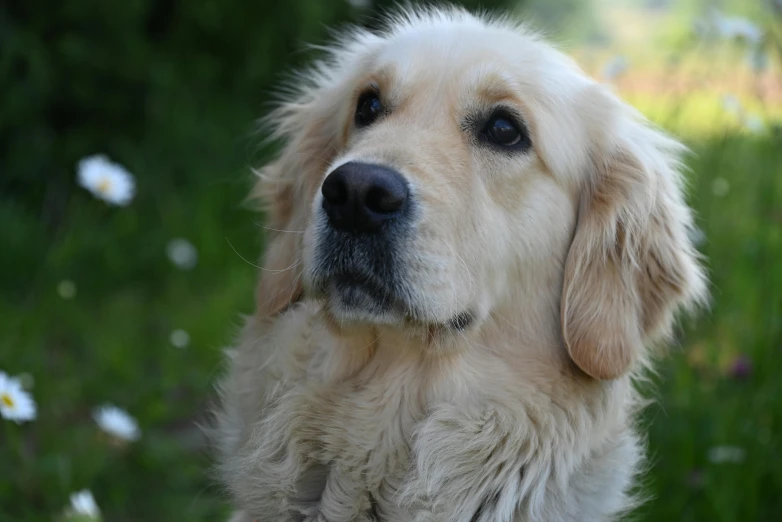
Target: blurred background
x=123 y=276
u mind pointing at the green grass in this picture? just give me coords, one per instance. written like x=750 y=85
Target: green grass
x=701 y=404
x=110 y=342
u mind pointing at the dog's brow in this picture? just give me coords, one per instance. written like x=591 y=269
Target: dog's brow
x=496 y=91
x=379 y=80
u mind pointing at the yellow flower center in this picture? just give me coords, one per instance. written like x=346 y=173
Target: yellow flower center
x=104 y=185
x=7 y=400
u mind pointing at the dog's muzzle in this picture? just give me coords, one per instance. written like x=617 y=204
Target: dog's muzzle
x=361 y=238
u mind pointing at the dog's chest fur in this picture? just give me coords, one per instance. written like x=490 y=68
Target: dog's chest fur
x=335 y=435
x=319 y=428
x=356 y=434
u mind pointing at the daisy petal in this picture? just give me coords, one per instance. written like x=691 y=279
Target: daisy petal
x=117 y=422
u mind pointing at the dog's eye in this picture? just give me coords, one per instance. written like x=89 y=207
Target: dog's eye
x=368 y=109
x=502 y=130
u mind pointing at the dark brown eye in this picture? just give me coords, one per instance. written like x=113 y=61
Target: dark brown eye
x=503 y=130
x=368 y=109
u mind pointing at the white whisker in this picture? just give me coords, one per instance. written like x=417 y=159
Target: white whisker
x=260 y=225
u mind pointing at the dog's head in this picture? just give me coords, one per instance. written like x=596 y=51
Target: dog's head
x=450 y=167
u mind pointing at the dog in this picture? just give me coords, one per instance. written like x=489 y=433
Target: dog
x=475 y=249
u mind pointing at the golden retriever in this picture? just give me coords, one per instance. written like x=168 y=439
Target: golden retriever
x=473 y=248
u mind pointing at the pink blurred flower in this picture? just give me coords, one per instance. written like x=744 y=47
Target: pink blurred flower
x=741 y=368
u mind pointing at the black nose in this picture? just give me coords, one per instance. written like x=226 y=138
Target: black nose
x=360 y=197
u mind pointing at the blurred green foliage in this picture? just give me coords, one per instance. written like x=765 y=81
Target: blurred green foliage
x=171 y=90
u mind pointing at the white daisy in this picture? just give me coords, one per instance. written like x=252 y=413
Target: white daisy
x=754 y=124
x=700 y=27
x=716 y=24
x=726 y=454
x=15 y=403
x=736 y=27
x=117 y=422
x=83 y=504
x=615 y=68
x=758 y=59
x=731 y=104
x=66 y=289
x=720 y=187
x=182 y=253
x=697 y=236
x=180 y=338
x=106 y=180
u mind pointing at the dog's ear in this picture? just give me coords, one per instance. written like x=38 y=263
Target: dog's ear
x=286 y=188
x=312 y=122
x=280 y=280
x=631 y=263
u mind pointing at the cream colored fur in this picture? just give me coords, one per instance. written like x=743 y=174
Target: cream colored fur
x=573 y=256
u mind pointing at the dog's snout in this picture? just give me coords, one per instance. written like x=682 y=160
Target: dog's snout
x=360 y=197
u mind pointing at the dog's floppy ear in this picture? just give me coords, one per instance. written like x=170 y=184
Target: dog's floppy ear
x=286 y=188
x=280 y=280
x=631 y=263
x=312 y=123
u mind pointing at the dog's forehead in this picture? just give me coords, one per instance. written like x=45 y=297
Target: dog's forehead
x=475 y=59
